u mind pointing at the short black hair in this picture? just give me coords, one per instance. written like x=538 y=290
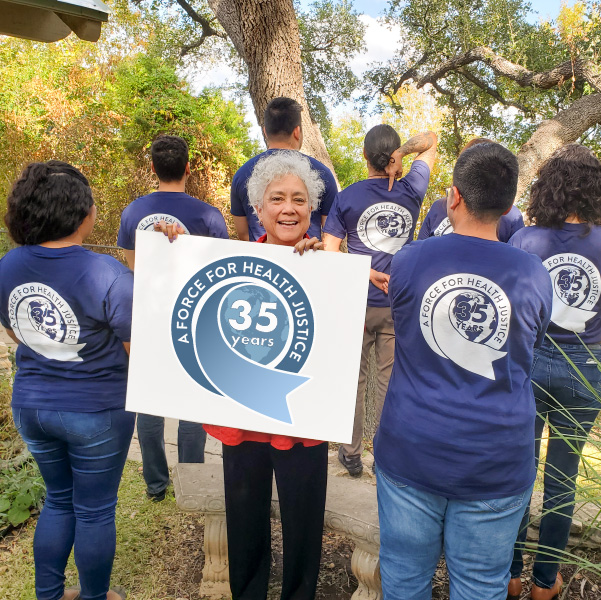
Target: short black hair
x=486 y=175
x=48 y=202
x=170 y=155
x=282 y=116
x=569 y=183
x=380 y=142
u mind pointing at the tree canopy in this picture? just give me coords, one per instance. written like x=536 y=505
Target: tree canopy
x=533 y=86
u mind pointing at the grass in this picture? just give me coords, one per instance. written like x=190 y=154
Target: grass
x=146 y=532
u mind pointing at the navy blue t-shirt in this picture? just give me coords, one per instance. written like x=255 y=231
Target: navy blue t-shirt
x=572 y=256
x=194 y=215
x=71 y=310
x=437 y=223
x=240 y=206
x=378 y=222
x=458 y=419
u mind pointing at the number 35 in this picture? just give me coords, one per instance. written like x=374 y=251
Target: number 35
x=264 y=313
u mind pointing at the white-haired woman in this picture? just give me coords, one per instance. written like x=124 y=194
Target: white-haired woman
x=283 y=190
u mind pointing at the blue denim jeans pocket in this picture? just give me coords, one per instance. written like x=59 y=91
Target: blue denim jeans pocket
x=85 y=425
x=500 y=505
x=584 y=372
x=391 y=481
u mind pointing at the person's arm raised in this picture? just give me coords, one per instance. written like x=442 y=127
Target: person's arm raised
x=422 y=143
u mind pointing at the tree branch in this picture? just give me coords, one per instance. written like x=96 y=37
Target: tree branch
x=410 y=73
x=207 y=27
x=565 y=128
x=579 y=69
x=490 y=90
x=454 y=108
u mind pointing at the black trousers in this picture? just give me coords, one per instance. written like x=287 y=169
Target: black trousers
x=301 y=478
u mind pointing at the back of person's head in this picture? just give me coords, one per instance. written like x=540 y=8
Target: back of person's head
x=48 y=202
x=282 y=116
x=568 y=184
x=486 y=175
x=475 y=142
x=170 y=156
x=380 y=142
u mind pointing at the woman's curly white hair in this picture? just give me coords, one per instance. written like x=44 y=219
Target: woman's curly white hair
x=277 y=165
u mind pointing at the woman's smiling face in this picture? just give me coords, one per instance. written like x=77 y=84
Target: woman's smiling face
x=285 y=212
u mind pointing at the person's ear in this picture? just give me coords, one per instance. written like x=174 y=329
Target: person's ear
x=297 y=133
x=364 y=154
x=152 y=167
x=456 y=198
x=187 y=171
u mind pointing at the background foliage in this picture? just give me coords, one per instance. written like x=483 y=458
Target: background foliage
x=99 y=106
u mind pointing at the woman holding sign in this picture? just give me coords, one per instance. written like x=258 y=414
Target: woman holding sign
x=283 y=190
x=69 y=310
x=565 y=205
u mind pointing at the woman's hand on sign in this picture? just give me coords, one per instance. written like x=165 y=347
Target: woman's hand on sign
x=305 y=244
x=171 y=231
x=380 y=280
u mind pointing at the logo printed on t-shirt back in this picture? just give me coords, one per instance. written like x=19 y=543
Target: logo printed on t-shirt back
x=444 y=227
x=575 y=290
x=385 y=227
x=44 y=322
x=465 y=318
x=149 y=221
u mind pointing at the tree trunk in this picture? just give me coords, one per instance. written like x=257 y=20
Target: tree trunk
x=265 y=34
x=569 y=125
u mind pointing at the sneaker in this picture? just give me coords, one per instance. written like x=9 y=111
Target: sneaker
x=158 y=497
x=352 y=464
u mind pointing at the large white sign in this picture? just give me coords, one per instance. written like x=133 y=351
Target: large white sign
x=246 y=335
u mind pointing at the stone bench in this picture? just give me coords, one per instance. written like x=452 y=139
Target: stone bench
x=351 y=511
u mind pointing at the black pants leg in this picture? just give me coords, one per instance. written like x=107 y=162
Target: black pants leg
x=301 y=476
x=248 y=475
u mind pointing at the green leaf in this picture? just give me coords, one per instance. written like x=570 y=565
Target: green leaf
x=17 y=515
x=23 y=501
x=4 y=504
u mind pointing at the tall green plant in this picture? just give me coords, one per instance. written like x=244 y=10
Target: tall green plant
x=588 y=482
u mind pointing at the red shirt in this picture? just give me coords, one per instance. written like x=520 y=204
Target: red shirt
x=234 y=437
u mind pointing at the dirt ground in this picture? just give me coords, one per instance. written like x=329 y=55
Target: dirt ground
x=336 y=580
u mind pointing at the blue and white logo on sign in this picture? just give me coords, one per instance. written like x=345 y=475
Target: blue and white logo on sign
x=465 y=318
x=242 y=327
x=576 y=289
x=44 y=321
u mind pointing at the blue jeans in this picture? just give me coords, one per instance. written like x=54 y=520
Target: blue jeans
x=571 y=410
x=477 y=537
x=191 y=439
x=81 y=458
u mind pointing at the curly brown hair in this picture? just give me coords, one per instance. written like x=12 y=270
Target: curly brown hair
x=568 y=184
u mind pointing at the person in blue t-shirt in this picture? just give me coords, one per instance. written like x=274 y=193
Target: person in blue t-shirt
x=437 y=222
x=565 y=206
x=69 y=310
x=283 y=131
x=455 y=448
x=378 y=222
x=170 y=162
